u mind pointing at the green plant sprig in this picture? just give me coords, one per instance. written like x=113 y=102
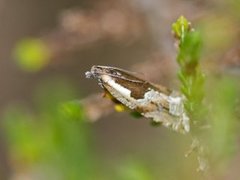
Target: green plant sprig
x=188 y=58
x=192 y=84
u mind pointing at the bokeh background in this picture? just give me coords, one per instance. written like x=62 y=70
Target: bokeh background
x=55 y=126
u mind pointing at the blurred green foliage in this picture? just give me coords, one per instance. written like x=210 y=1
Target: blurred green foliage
x=234 y=7
x=31 y=54
x=133 y=170
x=50 y=139
x=218 y=33
x=72 y=110
x=223 y=120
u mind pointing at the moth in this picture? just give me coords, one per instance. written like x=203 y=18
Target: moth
x=152 y=101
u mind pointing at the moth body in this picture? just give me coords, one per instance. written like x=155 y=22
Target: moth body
x=154 y=102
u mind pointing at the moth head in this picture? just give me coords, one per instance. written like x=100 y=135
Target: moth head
x=99 y=72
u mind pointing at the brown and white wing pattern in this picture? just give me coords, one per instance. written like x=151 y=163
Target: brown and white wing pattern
x=151 y=101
